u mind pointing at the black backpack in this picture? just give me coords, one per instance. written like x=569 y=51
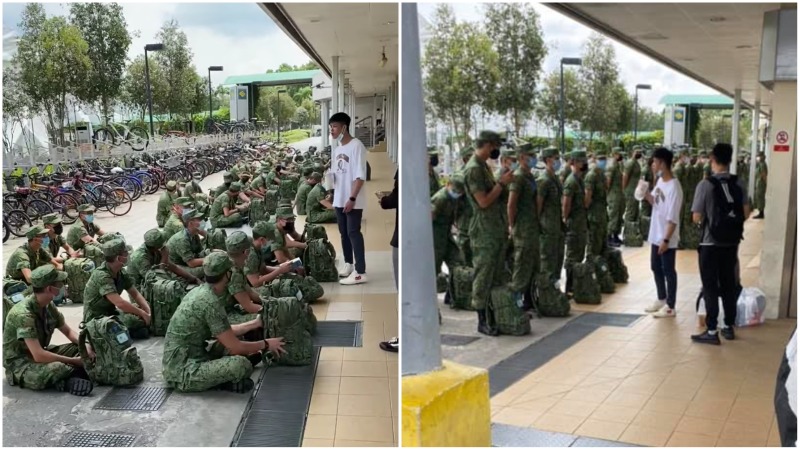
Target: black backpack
x=727 y=225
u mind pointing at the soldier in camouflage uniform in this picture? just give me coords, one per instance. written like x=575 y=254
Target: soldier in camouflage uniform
x=464 y=214
x=288 y=243
x=433 y=177
x=645 y=208
x=318 y=204
x=566 y=170
x=152 y=253
x=83 y=231
x=523 y=225
x=175 y=224
x=29 y=359
x=311 y=179
x=243 y=303
x=165 y=203
x=630 y=178
x=259 y=184
x=225 y=212
x=762 y=173
x=30 y=255
x=255 y=269
x=186 y=248
x=596 y=204
x=55 y=229
x=548 y=206
x=102 y=298
x=681 y=172
x=443 y=214
x=575 y=215
x=488 y=231
x=616 y=197
x=186 y=365
x=227 y=180
x=192 y=188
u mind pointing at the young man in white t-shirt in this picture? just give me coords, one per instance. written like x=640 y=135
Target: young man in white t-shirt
x=349 y=168
x=665 y=228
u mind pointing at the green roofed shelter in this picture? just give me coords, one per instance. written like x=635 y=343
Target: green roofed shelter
x=273 y=79
x=699 y=101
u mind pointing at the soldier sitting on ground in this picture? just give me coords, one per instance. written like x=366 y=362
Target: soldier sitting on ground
x=102 y=293
x=304 y=188
x=244 y=179
x=151 y=253
x=84 y=231
x=165 y=203
x=288 y=242
x=225 y=212
x=55 y=229
x=175 y=222
x=241 y=295
x=255 y=269
x=227 y=179
x=186 y=248
x=187 y=365
x=31 y=255
x=29 y=359
x=319 y=204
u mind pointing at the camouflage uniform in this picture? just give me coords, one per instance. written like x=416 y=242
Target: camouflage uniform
x=634 y=171
x=25 y=258
x=576 y=222
x=78 y=231
x=464 y=217
x=227 y=180
x=302 y=196
x=191 y=189
x=184 y=247
x=145 y=257
x=616 y=198
x=316 y=212
x=101 y=283
x=597 y=211
x=525 y=234
x=235 y=243
x=187 y=365
x=761 y=185
x=551 y=240
x=165 y=203
x=28 y=320
x=645 y=208
x=443 y=207
x=217 y=216
x=681 y=173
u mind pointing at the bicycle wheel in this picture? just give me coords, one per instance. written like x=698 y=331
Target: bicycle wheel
x=19 y=223
x=119 y=202
x=67 y=205
x=103 y=137
x=6 y=232
x=126 y=182
x=35 y=209
x=172 y=175
x=149 y=182
x=138 y=138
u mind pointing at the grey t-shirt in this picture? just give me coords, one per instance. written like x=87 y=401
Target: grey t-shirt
x=704 y=204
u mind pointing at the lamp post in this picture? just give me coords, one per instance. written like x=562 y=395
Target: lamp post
x=150 y=48
x=280 y=91
x=569 y=62
x=210 y=107
x=636 y=107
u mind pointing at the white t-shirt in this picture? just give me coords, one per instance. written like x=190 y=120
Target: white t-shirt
x=668 y=199
x=348 y=164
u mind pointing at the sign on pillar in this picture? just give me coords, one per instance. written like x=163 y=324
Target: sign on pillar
x=781 y=142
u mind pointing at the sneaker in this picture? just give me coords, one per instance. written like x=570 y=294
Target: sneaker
x=256 y=358
x=655 y=306
x=345 y=270
x=80 y=387
x=354 y=278
x=666 y=311
x=728 y=334
x=706 y=338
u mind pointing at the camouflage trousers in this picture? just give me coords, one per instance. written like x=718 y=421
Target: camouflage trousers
x=597 y=237
x=760 y=197
x=161 y=218
x=131 y=322
x=37 y=376
x=466 y=248
x=200 y=376
x=616 y=211
x=234 y=220
x=327 y=216
x=526 y=263
x=236 y=317
x=647 y=209
x=488 y=264
x=445 y=250
x=575 y=253
x=631 y=209
x=551 y=250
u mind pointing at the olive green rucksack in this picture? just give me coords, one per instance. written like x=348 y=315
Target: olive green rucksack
x=632 y=236
x=258 y=211
x=441 y=282
x=79 y=270
x=116 y=362
x=164 y=292
x=603 y=274
x=549 y=300
x=505 y=315
x=618 y=269
x=584 y=284
x=215 y=239
x=14 y=291
x=644 y=227
x=313 y=231
x=271 y=201
x=460 y=287
x=287 y=317
x=319 y=259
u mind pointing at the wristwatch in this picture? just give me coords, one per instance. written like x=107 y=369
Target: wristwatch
x=666 y=241
x=352 y=199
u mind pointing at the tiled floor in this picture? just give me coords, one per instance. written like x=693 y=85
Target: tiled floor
x=649 y=384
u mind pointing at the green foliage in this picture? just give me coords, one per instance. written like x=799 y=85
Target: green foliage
x=549 y=100
x=17 y=105
x=275 y=109
x=656 y=138
x=605 y=99
x=290 y=136
x=518 y=42
x=134 y=86
x=543 y=142
x=717 y=126
x=179 y=73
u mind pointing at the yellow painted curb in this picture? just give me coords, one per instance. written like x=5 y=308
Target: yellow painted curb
x=447 y=408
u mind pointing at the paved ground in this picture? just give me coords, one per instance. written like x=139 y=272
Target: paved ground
x=210 y=419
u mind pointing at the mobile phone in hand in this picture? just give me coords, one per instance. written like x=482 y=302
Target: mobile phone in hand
x=296 y=263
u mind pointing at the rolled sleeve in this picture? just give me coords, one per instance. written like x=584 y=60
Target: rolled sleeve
x=359 y=164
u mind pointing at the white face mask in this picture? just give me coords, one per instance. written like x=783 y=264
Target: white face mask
x=341 y=135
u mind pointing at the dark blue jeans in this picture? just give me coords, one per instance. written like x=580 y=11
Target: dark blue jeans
x=663 y=267
x=352 y=239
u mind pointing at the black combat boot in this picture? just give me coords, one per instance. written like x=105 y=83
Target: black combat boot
x=483 y=327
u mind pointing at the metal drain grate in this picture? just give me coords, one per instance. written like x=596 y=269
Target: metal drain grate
x=83 y=439
x=276 y=415
x=134 y=399
x=455 y=340
x=607 y=319
x=333 y=333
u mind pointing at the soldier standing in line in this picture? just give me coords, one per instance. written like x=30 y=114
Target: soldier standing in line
x=523 y=226
x=596 y=205
x=616 y=197
x=630 y=178
x=548 y=208
x=574 y=215
x=464 y=214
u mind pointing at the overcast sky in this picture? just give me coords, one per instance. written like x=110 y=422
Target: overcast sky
x=565 y=38
x=238 y=36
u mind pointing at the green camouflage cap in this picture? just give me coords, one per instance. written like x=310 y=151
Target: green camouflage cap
x=245 y=174
x=264 y=229
x=227 y=176
x=601 y=153
x=38 y=230
x=192 y=214
x=86 y=208
x=183 y=201
x=51 y=219
x=316 y=176
x=490 y=136
x=235 y=187
x=154 y=238
x=457 y=181
x=237 y=242
x=172 y=185
x=467 y=151
x=636 y=148
x=526 y=149
x=284 y=213
x=549 y=152
x=46 y=275
x=216 y=263
x=578 y=155
x=307 y=171
x=114 y=247
x=508 y=152
x=616 y=150
x=432 y=151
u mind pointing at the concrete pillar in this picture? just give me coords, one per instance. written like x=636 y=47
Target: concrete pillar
x=335 y=82
x=387 y=118
x=779 y=241
x=754 y=148
x=324 y=116
x=737 y=107
x=340 y=105
x=395 y=121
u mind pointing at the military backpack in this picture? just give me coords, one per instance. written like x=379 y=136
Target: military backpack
x=632 y=236
x=644 y=227
x=271 y=201
x=550 y=301
x=305 y=289
x=319 y=258
x=585 y=287
x=79 y=270
x=14 y=291
x=287 y=317
x=618 y=269
x=314 y=231
x=116 y=361
x=258 y=211
x=604 y=278
x=461 y=278
x=287 y=190
x=215 y=239
x=164 y=292
x=505 y=315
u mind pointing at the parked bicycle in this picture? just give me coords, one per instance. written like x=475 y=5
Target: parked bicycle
x=135 y=136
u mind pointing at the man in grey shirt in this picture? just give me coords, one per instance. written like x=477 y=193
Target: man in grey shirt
x=717 y=259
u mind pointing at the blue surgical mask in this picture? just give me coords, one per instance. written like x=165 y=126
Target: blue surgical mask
x=61 y=293
x=90 y=218
x=602 y=164
x=557 y=165
x=532 y=162
x=46 y=242
x=514 y=166
x=454 y=195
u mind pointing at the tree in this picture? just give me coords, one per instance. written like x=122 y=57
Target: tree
x=717 y=126
x=53 y=60
x=17 y=106
x=103 y=27
x=313 y=111
x=275 y=109
x=459 y=68
x=624 y=104
x=548 y=102
x=176 y=60
x=517 y=39
x=649 y=120
x=134 y=86
x=301 y=117
x=200 y=95
x=599 y=77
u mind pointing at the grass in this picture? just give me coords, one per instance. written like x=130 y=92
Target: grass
x=291 y=136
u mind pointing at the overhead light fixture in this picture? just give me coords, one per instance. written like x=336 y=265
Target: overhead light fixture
x=716 y=19
x=314 y=20
x=743 y=46
x=390 y=23
x=383 y=58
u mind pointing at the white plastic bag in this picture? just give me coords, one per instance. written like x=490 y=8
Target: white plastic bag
x=750 y=307
x=641 y=190
x=330 y=181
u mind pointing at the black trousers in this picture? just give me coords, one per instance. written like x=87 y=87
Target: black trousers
x=718 y=273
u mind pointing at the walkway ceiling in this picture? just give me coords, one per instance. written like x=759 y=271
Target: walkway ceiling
x=356 y=32
x=716 y=44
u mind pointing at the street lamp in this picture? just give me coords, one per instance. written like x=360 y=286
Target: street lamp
x=211 y=69
x=150 y=48
x=636 y=107
x=569 y=62
x=280 y=91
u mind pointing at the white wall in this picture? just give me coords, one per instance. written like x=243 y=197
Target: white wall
x=364 y=108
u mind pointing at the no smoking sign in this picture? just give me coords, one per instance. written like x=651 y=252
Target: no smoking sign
x=781 y=142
